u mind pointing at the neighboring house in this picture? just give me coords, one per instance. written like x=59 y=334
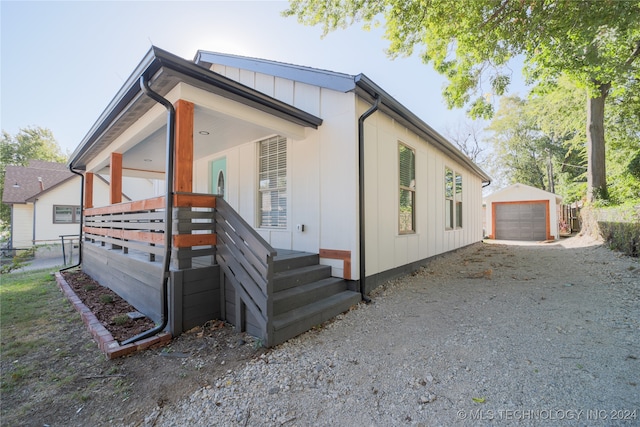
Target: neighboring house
x=303 y=189
x=45 y=202
x=521 y=212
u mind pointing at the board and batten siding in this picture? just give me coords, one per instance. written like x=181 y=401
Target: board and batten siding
x=323 y=182
x=387 y=249
x=322 y=171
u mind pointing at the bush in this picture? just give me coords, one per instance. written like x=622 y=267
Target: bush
x=619 y=226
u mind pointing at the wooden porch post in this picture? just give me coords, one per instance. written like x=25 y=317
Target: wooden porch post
x=88 y=190
x=183 y=179
x=115 y=187
x=183 y=176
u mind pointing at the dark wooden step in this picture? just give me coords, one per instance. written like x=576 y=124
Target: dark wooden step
x=300 y=276
x=298 y=296
x=292 y=261
x=295 y=322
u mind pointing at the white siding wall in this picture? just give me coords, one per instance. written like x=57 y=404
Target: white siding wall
x=322 y=170
x=68 y=193
x=46 y=231
x=385 y=247
x=22 y=223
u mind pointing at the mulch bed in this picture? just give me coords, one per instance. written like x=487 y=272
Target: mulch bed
x=108 y=307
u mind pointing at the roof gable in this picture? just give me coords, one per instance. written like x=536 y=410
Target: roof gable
x=164 y=70
x=23 y=183
x=360 y=84
x=313 y=76
x=532 y=193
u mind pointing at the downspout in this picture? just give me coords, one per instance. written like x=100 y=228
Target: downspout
x=361 y=120
x=81 y=218
x=168 y=214
x=33 y=221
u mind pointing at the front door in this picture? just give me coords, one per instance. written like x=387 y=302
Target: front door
x=218 y=176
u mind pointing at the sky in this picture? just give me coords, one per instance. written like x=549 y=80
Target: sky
x=63 y=61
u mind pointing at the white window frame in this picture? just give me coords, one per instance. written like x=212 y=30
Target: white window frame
x=453 y=206
x=76 y=213
x=410 y=188
x=272 y=184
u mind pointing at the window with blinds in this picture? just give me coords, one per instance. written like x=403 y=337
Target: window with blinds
x=453 y=199
x=458 y=200
x=66 y=214
x=272 y=182
x=407 y=168
x=448 y=198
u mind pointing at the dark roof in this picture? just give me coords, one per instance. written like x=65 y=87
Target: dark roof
x=164 y=71
x=36 y=178
x=360 y=84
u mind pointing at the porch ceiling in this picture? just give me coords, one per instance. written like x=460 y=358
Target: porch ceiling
x=213 y=132
x=165 y=71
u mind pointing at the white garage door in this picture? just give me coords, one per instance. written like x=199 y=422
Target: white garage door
x=521 y=221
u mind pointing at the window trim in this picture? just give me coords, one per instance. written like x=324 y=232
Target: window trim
x=284 y=189
x=412 y=191
x=76 y=213
x=453 y=199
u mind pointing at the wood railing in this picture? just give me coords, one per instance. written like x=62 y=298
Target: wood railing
x=140 y=225
x=203 y=225
x=247 y=262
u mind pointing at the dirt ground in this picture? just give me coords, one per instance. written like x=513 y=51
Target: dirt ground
x=124 y=391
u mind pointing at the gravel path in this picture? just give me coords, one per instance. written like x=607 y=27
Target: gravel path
x=493 y=334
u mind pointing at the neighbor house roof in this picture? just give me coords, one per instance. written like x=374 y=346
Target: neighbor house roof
x=164 y=71
x=23 y=183
x=360 y=84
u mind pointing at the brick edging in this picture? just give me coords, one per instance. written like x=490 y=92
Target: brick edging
x=107 y=344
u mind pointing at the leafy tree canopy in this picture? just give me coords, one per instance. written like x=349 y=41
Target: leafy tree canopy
x=595 y=43
x=33 y=143
x=471 y=41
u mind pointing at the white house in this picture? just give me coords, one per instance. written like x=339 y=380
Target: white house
x=45 y=201
x=300 y=160
x=522 y=212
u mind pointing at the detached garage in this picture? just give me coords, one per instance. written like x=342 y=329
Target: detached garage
x=521 y=212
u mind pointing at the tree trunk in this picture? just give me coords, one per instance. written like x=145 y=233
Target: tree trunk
x=596 y=170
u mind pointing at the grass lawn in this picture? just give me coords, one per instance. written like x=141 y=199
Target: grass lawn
x=41 y=338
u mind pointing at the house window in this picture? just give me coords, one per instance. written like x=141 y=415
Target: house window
x=453 y=199
x=66 y=214
x=458 y=214
x=272 y=182
x=407 y=168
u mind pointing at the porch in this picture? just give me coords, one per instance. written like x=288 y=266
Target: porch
x=221 y=268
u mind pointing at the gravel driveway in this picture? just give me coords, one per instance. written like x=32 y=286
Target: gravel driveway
x=493 y=334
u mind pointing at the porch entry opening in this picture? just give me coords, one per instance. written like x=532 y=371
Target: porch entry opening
x=218 y=176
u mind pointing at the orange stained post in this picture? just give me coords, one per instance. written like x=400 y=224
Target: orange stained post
x=88 y=190
x=183 y=179
x=115 y=187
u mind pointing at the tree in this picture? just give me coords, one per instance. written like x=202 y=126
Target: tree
x=468 y=138
x=519 y=147
x=595 y=43
x=28 y=144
